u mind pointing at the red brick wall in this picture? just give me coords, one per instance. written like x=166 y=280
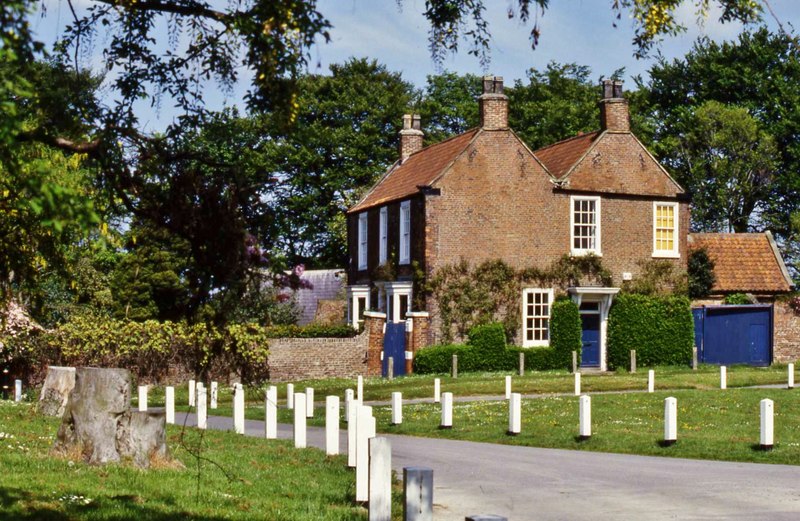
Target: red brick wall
x=310 y=358
x=614 y=115
x=787 y=334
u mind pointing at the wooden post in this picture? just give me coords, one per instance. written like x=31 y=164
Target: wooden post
x=364 y=431
x=214 y=388
x=380 y=479
x=349 y=398
x=299 y=420
x=352 y=431
x=767 y=425
x=271 y=413
x=169 y=397
x=514 y=414
x=447 y=411
x=397 y=408
x=522 y=364
x=455 y=367
x=694 y=359
x=192 y=392
x=18 y=391
x=142 y=397
x=417 y=494
x=585 y=413
x=360 y=389
x=290 y=396
x=202 y=406
x=670 y=421
x=633 y=360
x=309 y=402
x=238 y=409
x=437 y=390
x=390 y=368
x=332 y=425
x=574 y=361
x=577 y=384
x=723 y=377
x=651 y=381
x=508 y=387
x=790 y=376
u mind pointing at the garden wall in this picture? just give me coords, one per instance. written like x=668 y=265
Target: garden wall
x=786 y=347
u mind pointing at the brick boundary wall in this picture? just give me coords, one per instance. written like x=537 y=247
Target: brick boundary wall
x=786 y=347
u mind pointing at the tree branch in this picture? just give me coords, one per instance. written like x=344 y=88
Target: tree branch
x=61 y=143
x=160 y=6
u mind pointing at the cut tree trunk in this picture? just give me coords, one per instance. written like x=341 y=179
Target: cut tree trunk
x=55 y=393
x=99 y=425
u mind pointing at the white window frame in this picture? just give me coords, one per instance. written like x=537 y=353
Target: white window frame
x=384 y=232
x=675 y=251
x=362 y=241
x=525 y=316
x=405 y=232
x=597 y=250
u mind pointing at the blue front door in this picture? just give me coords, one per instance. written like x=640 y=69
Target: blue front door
x=394 y=346
x=590 y=354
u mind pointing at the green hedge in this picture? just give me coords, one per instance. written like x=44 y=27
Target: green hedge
x=566 y=333
x=660 y=329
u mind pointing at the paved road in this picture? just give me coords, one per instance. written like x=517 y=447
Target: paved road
x=525 y=483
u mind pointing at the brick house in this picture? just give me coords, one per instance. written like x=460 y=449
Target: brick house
x=485 y=195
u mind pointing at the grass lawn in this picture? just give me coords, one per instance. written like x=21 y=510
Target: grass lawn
x=268 y=480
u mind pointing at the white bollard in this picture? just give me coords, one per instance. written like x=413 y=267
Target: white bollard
x=169 y=398
x=309 y=402
x=299 y=420
x=670 y=421
x=447 y=411
x=142 y=398
x=767 y=425
x=290 y=396
x=202 y=406
x=17 y=390
x=651 y=381
x=577 y=384
x=790 y=376
x=514 y=414
x=332 y=425
x=365 y=430
x=397 y=408
x=723 y=377
x=349 y=397
x=352 y=429
x=437 y=390
x=214 y=388
x=508 y=387
x=585 y=413
x=380 y=480
x=238 y=409
x=271 y=413
x=417 y=494
x=192 y=391
x=360 y=389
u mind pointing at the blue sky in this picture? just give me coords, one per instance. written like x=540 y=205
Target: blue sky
x=579 y=31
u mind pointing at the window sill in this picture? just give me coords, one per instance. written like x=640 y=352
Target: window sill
x=535 y=344
x=583 y=253
x=666 y=255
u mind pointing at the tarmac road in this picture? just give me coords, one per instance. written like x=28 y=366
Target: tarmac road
x=532 y=484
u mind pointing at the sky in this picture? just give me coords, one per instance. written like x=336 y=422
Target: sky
x=572 y=31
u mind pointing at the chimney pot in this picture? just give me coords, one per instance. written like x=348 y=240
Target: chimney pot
x=614 y=114
x=488 y=84
x=406 y=121
x=416 y=122
x=493 y=104
x=411 y=136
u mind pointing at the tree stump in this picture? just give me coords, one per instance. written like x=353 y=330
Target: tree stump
x=99 y=425
x=55 y=393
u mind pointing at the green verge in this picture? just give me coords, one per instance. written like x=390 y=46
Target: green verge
x=269 y=480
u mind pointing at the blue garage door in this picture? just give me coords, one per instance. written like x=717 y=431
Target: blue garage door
x=729 y=335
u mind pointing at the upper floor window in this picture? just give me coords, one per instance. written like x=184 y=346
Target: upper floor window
x=384 y=229
x=405 y=232
x=362 y=241
x=665 y=230
x=536 y=306
x=584 y=225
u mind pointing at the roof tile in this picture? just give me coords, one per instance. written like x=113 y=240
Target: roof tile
x=560 y=157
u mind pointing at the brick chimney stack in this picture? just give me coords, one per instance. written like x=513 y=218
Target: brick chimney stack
x=493 y=104
x=411 y=136
x=614 y=114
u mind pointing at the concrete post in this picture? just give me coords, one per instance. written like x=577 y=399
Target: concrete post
x=290 y=396
x=271 y=413
x=380 y=479
x=485 y=517
x=515 y=414
x=574 y=361
x=447 y=411
x=332 y=425
x=364 y=431
x=437 y=390
x=651 y=381
x=214 y=388
x=309 y=402
x=694 y=359
x=633 y=360
x=577 y=384
x=238 y=409
x=670 y=421
x=454 y=372
x=192 y=391
x=508 y=387
x=202 y=406
x=352 y=433
x=18 y=390
x=300 y=420
x=390 y=368
x=585 y=413
x=417 y=494
x=723 y=377
x=169 y=398
x=522 y=364
x=767 y=425
x=360 y=389
x=349 y=397
x=142 y=398
x=790 y=376
x=397 y=408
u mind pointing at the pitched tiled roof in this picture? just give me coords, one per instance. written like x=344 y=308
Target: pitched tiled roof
x=560 y=157
x=420 y=169
x=744 y=262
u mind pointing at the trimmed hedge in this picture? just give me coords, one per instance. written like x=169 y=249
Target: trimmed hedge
x=566 y=333
x=660 y=329
x=488 y=348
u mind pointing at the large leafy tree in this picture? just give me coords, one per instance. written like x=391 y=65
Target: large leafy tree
x=447 y=105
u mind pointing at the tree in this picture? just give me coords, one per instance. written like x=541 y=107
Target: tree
x=447 y=106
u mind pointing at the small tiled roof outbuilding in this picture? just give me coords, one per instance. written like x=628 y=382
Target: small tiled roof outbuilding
x=744 y=262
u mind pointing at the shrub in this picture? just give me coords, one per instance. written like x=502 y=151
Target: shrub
x=737 y=299
x=701 y=273
x=488 y=343
x=565 y=333
x=438 y=359
x=660 y=329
